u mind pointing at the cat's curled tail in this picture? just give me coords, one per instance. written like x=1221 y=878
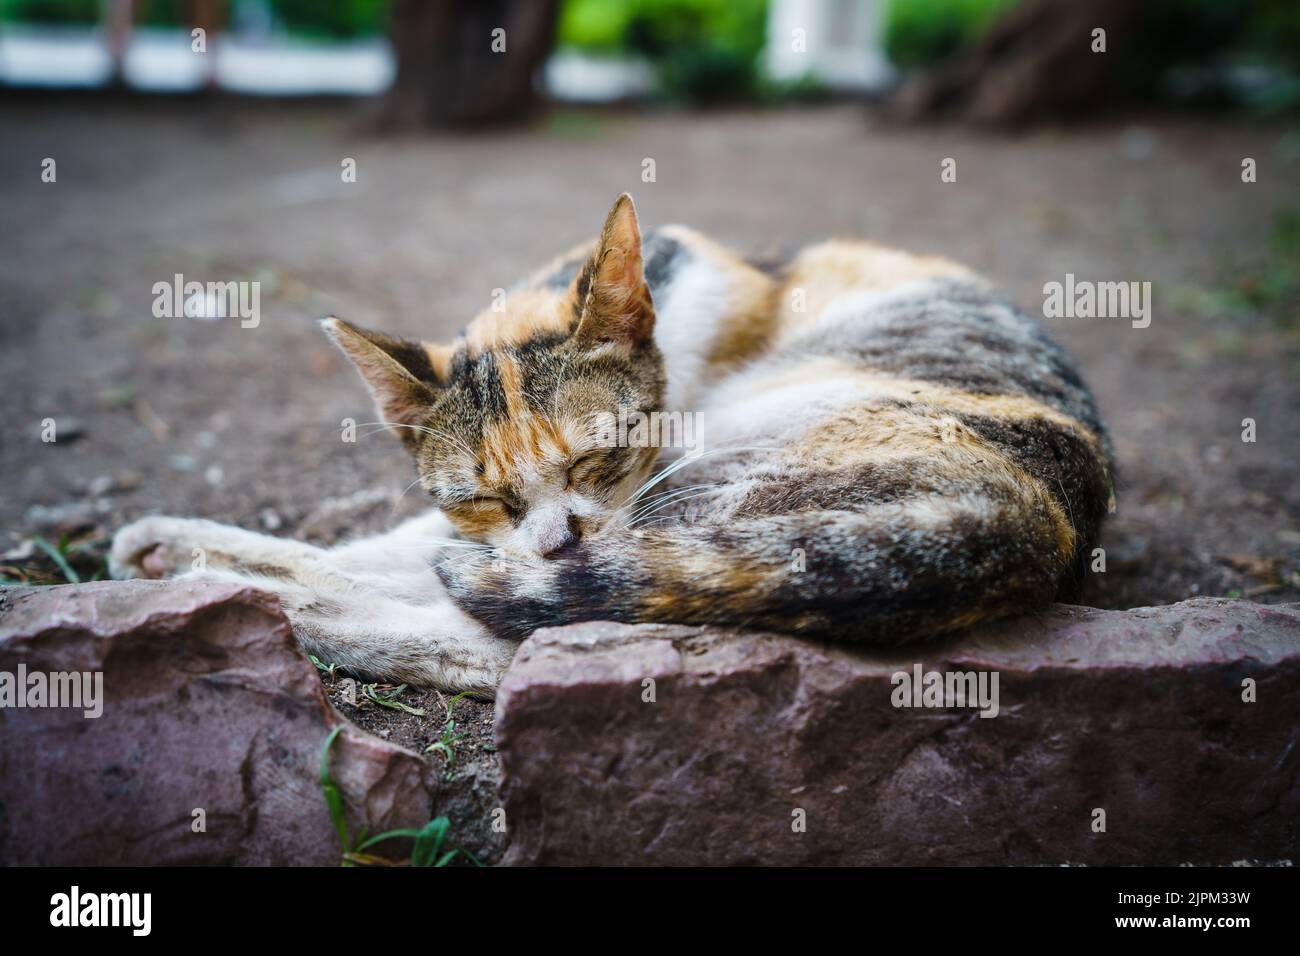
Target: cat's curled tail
x=922 y=565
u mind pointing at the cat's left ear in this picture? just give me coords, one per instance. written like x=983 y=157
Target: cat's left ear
x=612 y=297
x=401 y=374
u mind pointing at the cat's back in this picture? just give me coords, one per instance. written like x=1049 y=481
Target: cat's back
x=925 y=319
x=882 y=354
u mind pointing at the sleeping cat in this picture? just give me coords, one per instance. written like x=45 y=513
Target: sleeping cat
x=892 y=452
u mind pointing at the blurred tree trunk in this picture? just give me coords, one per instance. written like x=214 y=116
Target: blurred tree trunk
x=118 y=17
x=208 y=16
x=1036 y=62
x=451 y=68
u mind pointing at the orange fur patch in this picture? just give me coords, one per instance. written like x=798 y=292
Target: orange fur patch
x=828 y=270
x=868 y=432
x=749 y=321
x=524 y=315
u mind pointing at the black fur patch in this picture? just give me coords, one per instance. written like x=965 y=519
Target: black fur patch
x=662 y=257
x=963 y=336
x=1068 y=466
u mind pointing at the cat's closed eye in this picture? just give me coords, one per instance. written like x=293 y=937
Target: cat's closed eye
x=584 y=467
x=486 y=504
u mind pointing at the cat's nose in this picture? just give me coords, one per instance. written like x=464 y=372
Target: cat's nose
x=559 y=545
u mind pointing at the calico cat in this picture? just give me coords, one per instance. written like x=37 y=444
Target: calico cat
x=891 y=452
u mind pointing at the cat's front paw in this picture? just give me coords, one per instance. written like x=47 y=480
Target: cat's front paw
x=150 y=548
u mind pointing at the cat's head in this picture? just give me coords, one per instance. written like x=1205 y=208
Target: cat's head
x=509 y=424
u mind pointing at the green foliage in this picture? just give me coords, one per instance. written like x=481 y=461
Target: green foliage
x=72 y=563
x=429 y=842
x=1181 y=37
x=704 y=50
x=1255 y=285
x=59 y=555
x=1271 y=284
x=389 y=699
x=430 y=849
x=1170 y=32
x=162 y=13
x=335 y=20
x=1263 y=29
x=326 y=669
x=1285 y=237
x=333 y=795
x=49 y=11
x=920 y=32
x=596 y=26
x=446 y=744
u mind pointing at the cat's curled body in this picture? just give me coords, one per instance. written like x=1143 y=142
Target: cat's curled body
x=889 y=451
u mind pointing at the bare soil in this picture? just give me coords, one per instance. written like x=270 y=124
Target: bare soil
x=178 y=415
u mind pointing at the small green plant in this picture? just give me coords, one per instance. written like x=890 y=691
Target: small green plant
x=1268 y=282
x=431 y=847
x=389 y=699
x=326 y=669
x=62 y=556
x=446 y=744
x=59 y=555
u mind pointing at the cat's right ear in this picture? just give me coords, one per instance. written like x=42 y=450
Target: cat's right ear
x=610 y=293
x=399 y=373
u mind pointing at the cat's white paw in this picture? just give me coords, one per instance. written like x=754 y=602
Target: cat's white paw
x=151 y=548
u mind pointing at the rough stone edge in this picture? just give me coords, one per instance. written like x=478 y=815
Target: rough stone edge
x=369 y=800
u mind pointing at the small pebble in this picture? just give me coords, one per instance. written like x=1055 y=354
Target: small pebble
x=127 y=480
x=52 y=516
x=20 y=553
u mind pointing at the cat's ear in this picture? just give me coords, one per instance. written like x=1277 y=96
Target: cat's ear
x=611 y=295
x=399 y=372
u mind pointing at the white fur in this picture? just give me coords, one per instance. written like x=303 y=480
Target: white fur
x=688 y=309
x=374 y=606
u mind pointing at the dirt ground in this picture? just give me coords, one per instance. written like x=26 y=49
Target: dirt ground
x=185 y=416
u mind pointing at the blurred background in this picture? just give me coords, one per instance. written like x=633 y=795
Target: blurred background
x=1109 y=139
x=688 y=52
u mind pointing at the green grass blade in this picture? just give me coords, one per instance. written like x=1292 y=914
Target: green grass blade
x=57 y=557
x=388 y=835
x=428 y=845
x=387 y=700
x=333 y=796
x=451 y=704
